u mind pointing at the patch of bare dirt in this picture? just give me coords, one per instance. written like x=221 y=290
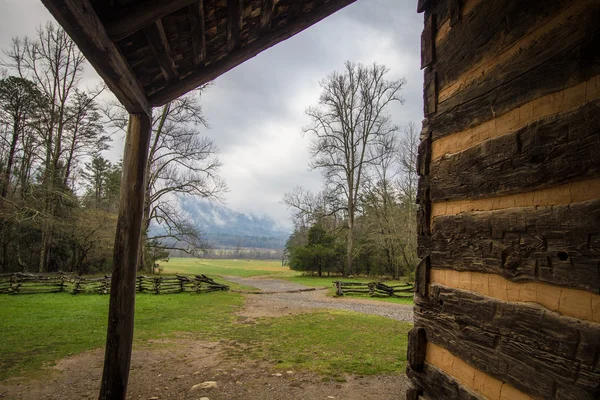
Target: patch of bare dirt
x=187 y=369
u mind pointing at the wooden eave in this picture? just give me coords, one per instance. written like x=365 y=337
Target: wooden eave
x=150 y=52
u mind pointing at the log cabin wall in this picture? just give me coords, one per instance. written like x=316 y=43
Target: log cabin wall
x=507 y=302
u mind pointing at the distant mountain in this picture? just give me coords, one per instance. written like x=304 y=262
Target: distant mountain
x=226 y=227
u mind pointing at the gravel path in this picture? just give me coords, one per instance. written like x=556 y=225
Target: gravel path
x=288 y=303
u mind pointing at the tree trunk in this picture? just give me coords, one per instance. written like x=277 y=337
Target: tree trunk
x=122 y=295
x=9 y=162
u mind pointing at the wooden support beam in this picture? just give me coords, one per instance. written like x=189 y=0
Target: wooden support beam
x=127 y=242
x=239 y=55
x=132 y=19
x=80 y=21
x=196 y=16
x=266 y=11
x=234 y=24
x=157 y=39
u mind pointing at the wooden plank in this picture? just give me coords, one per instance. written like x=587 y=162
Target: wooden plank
x=123 y=23
x=557 y=244
x=125 y=256
x=422 y=276
x=80 y=21
x=234 y=24
x=430 y=93
x=509 y=341
x=417 y=346
x=536 y=71
x=157 y=39
x=550 y=152
x=266 y=11
x=196 y=17
x=427 y=42
x=454 y=8
x=203 y=75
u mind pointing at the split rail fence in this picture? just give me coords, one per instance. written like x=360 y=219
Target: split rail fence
x=374 y=289
x=21 y=283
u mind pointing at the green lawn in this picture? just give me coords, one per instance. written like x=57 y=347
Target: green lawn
x=243 y=268
x=39 y=329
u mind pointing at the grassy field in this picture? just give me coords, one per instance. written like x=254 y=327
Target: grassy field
x=37 y=330
x=40 y=329
x=241 y=268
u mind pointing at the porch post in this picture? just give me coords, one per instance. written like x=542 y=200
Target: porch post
x=127 y=241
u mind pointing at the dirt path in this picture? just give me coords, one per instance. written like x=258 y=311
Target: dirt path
x=277 y=304
x=177 y=369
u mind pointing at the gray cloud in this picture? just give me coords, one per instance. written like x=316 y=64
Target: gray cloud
x=256 y=111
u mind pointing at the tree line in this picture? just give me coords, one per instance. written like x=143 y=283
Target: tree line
x=363 y=221
x=59 y=193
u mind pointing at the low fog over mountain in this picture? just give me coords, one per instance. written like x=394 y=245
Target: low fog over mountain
x=226 y=227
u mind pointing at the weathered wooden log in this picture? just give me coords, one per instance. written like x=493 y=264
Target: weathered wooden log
x=558 y=244
x=125 y=256
x=546 y=69
x=509 y=341
x=547 y=153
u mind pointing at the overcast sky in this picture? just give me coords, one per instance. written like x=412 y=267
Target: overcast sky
x=256 y=111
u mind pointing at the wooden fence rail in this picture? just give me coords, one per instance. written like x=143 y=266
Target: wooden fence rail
x=374 y=289
x=21 y=283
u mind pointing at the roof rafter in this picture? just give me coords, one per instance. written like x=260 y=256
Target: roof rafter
x=79 y=20
x=157 y=39
x=196 y=16
x=234 y=23
x=134 y=18
x=266 y=11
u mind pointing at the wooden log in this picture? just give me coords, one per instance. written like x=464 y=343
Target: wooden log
x=509 y=341
x=490 y=29
x=122 y=300
x=571 y=59
x=558 y=244
x=547 y=153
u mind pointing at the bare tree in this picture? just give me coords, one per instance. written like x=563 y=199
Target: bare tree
x=181 y=162
x=350 y=119
x=407 y=157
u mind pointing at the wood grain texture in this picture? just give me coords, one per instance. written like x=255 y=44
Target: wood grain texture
x=510 y=342
x=550 y=152
x=534 y=72
x=542 y=107
x=490 y=29
x=427 y=42
x=125 y=256
x=557 y=244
